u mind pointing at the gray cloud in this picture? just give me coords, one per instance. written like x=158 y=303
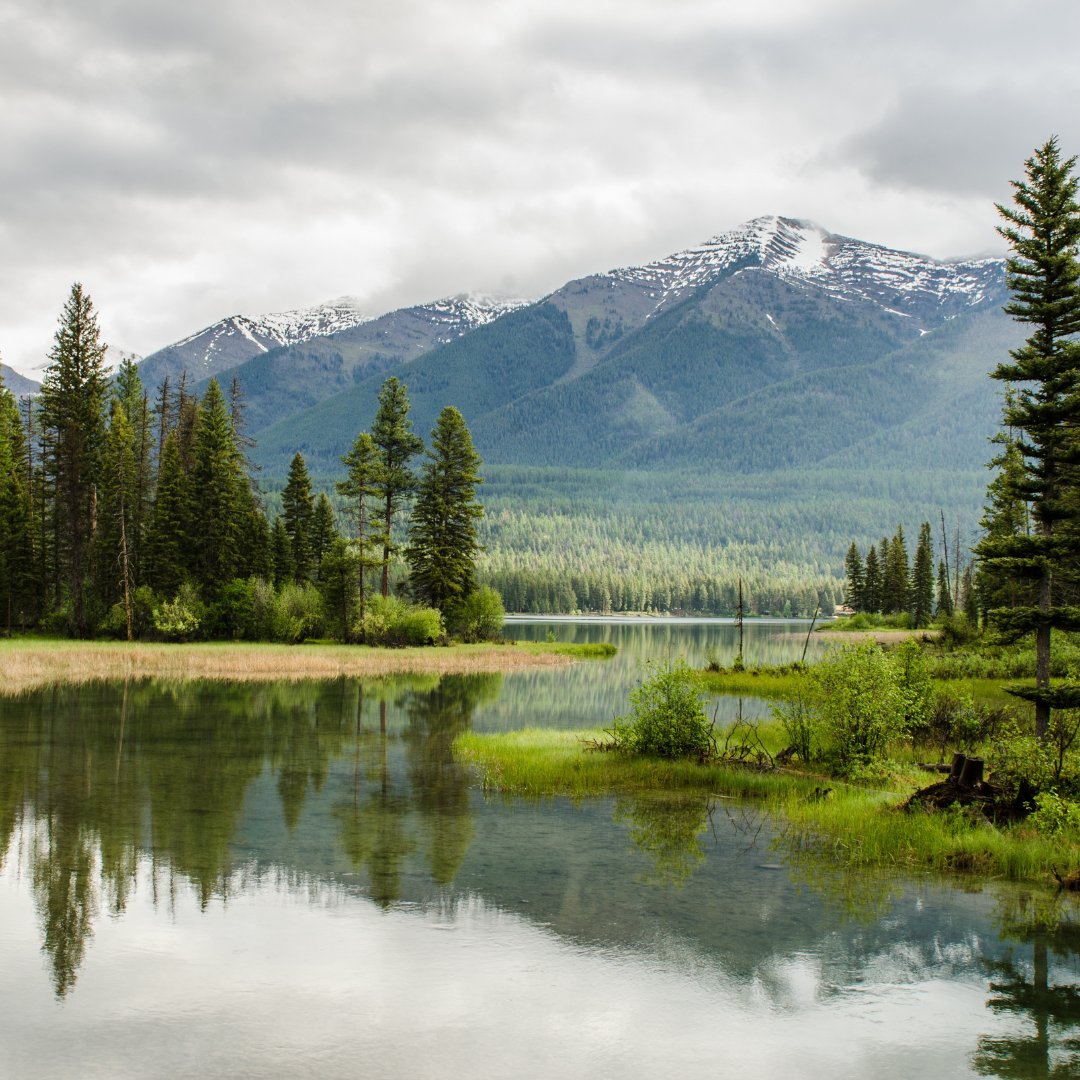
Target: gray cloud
x=187 y=161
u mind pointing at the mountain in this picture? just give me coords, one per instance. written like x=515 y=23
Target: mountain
x=773 y=346
x=287 y=355
x=16 y=383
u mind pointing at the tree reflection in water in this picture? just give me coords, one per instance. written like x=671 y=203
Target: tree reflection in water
x=1048 y=1048
x=106 y=778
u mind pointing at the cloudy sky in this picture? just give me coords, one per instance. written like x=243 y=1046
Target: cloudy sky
x=191 y=160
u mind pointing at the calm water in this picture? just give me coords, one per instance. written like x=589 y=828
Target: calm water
x=298 y=880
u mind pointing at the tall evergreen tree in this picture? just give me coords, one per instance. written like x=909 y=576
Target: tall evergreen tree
x=298 y=510
x=323 y=530
x=392 y=434
x=856 y=578
x=1043 y=230
x=128 y=390
x=944 y=592
x=167 y=543
x=217 y=490
x=896 y=585
x=282 y=553
x=872 y=583
x=116 y=512
x=17 y=584
x=443 y=545
x=360 y=489
x=922 y=578
x=73 y=395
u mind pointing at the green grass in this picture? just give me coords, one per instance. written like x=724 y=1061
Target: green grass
x=853 y=826
x=585 y=650
x=759 y=682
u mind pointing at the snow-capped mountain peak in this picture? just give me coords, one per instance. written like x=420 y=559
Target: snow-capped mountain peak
x=801 y=250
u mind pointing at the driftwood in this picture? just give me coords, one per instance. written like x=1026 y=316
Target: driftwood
x=1071 y=882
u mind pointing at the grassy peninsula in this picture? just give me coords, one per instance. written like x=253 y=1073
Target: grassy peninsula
x=30 y=662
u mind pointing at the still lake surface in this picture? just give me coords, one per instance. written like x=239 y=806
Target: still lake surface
x=212 y=880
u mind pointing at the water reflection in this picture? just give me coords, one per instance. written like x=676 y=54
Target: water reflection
x=1042 y=996
x=103 y=775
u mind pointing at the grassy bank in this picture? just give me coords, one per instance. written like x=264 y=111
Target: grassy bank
x=26 y=663
x=853 y=825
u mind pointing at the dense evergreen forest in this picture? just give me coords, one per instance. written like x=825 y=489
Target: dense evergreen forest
x=135 y=517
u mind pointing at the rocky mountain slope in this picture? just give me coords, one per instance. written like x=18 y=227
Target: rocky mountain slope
x=771 y=346
x=16 y=383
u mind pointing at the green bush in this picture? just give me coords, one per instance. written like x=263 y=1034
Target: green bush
x=865 y=699
x=389 y=620
x=296 y=613
x=798 y=718
x=1055 y=815
x=482 y=615
x=667 y=715
x=179 y=619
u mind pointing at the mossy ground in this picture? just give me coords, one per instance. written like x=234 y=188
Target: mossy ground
x=853 y=825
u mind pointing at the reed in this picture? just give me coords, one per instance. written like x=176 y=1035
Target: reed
x=29 y=663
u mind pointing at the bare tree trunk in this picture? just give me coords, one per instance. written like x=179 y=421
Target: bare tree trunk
x=124 y=556
x=386 y=551
x=1042 y=658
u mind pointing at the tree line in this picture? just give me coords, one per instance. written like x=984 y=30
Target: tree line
x=131 y=516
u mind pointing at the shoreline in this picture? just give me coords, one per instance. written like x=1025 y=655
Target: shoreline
x=850 y=826
x=30 y=663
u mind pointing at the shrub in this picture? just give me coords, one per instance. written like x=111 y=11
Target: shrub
x=389 y=620
x=179 y=619
x=482 y=615
x=862 y=700
x=1055 y=814
x=296 y=613
x=798 y=718
x=667 y=716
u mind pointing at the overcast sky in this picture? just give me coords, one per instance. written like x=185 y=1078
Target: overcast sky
x=196 y=159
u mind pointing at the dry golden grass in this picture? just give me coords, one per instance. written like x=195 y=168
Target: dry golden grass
x=25 y=664
x=882 y=637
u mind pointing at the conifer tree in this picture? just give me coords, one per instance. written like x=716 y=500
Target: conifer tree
x=116 y=511
x=128 y=389
x=896 y=585
x=217 y=486
x=298 y=510
x=16 y=522
x=323 y=530
x=872 y=583
x=73 y=395
x=259 y=556
x=443 y=546
x=922 y=578
x=392 y=434
x=338 y=577
x=856 y=578
x=1043 y=230
x=281 y=551
x=167 y=543
x=944 y=593
x=360 y=489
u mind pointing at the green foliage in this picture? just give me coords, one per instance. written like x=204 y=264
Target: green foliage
x=1055 y=815
x=339 y=583
x=393 y=621
x=865 y=699
x=481 y=616
x=298 y=511
x=443 y=547
x=667 y=716
x=799 y=720
x=296 y=613
x=179 y=619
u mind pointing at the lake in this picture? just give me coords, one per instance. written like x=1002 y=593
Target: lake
x=211 y=880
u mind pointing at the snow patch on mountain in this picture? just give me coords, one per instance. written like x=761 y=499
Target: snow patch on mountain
x=802 y=251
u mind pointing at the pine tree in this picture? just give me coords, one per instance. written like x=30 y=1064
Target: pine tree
x=359 y=489
x=218 y=487
x=397 y=446
x=128 y=389
x=443 y=546
x=73 y=395
x=282 y=553
x=298 y=510
x=1043 y=229
x=16 y=519
x=167 y=543
x=323 y=530
x=872 y=583
x=856 y=578
x=338 y=577
x=896 y=586
x=116 y=512
x=922 y=578
x=944 y=593
x=260 y=556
